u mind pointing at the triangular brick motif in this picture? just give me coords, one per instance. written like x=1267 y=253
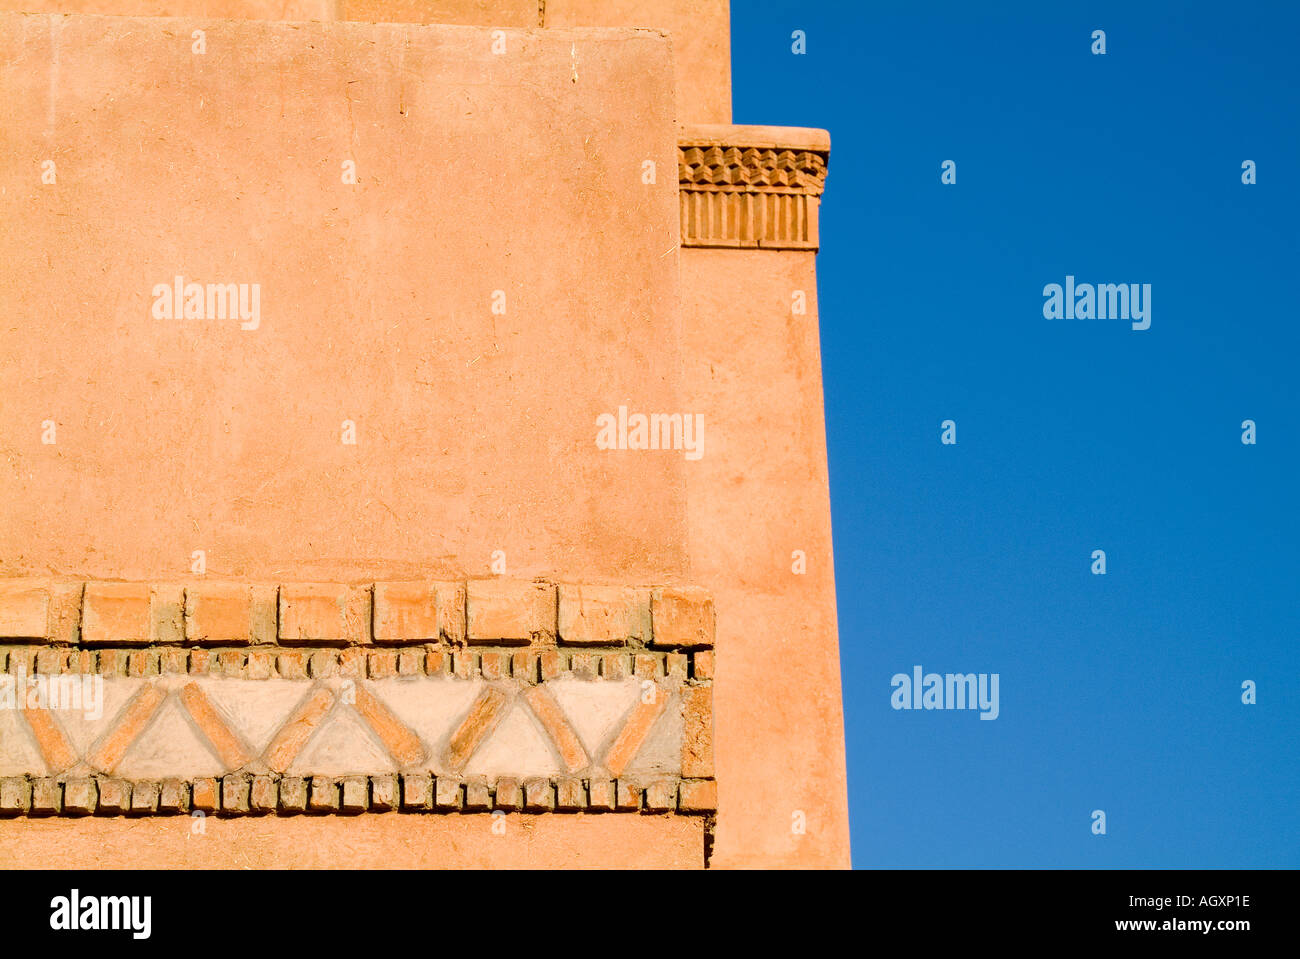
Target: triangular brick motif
x=660 y=754
x=255 y=710
x=18 y=753
x=342 y=746
x=81 y=730
x=596 y=709
x=518 y=747
x=169 y=746
x=130 y=722
x=433 y=709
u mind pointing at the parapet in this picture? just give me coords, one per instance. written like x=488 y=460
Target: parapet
x=701 y=29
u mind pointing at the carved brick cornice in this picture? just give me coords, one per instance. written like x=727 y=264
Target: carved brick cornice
x=751 y=167
x=751 y=187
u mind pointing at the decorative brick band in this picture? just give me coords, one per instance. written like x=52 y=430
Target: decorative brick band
x=741 y=188
x=520 y=696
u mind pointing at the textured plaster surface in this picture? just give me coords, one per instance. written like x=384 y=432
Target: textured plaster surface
x=762 y=495
x=475 y=430
x=384 y=841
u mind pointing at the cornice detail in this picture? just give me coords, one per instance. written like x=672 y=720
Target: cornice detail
x=744 y=193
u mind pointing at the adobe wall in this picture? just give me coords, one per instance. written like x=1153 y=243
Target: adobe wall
x=388 y=472
x=496 y=278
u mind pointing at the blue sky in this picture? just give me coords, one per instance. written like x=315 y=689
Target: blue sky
x=1119 y=692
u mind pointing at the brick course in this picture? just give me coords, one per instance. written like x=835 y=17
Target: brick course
x=482 y=611
x=510 y=611
x=603 y=615
x=406 y=612
x=24 y=609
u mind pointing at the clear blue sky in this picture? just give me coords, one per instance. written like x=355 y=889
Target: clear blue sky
x=1119 y=692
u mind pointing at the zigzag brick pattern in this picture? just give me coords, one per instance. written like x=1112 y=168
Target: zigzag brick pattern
x=591 y=698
